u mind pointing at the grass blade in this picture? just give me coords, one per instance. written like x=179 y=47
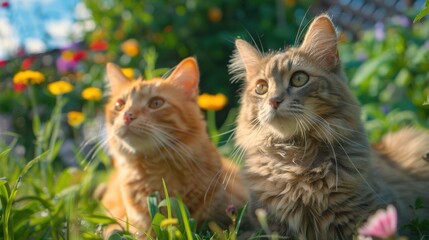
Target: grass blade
x=185 y=219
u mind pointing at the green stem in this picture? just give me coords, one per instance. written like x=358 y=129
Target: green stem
x=211 y=124
x=56 y=118
x=36 y=117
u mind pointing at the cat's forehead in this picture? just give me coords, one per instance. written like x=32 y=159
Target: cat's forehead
x=145 y=87
x=289 y=60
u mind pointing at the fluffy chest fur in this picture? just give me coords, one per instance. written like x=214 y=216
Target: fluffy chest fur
x=311 y=201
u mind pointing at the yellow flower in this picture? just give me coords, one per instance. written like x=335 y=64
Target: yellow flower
x=92 y=93
x=67 y=55
x=128 y=72
x=28 y=76
x=130 y=47
x=75 y=118
x=60 y=87
x=212 y=102
x=169 y=222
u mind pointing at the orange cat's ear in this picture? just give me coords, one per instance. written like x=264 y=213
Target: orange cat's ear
x=320 y=42
x=115 y=76
x=245 y=60
x=187 y=76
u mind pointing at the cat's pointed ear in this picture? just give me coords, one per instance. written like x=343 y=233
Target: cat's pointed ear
x=187 y=76
x=245 y=59
x=320 y=42
x=115 y=76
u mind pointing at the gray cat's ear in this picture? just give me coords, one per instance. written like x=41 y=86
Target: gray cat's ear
x=187 y=76
x=245 y=59
x=115 y=76
x=320 y=42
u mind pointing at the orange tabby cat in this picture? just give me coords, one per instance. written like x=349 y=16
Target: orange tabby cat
x=157 y=131
x=308 y=162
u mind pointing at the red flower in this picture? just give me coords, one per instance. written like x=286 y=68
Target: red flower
x=5 y=4
x=27 y=63
x=98 y=45
x=19 y=87
x=3 y=63
x=79 y=55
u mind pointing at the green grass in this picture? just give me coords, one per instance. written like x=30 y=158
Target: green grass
x=41 y=199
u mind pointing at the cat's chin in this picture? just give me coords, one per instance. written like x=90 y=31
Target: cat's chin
x=283 y=127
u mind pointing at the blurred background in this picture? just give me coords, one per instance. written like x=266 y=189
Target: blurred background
x=385 y=54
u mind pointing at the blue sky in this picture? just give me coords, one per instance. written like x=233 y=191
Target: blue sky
x=40 y=25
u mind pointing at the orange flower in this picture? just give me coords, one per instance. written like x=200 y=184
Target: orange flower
x=60 y=87
x=75 y=118
x=215 y=14
x=212 y=102
x=92 y=93
x=130 y=47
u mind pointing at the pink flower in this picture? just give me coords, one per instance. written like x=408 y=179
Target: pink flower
x=5 y=4
x=382 y=224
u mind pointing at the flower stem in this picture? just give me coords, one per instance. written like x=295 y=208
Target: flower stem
x=211 y=124
x=36 y=117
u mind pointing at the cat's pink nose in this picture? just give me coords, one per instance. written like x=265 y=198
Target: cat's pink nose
x=275 y=102
x=128 y=117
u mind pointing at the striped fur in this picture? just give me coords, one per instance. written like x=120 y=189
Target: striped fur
x=169 y=142
x=308 y=162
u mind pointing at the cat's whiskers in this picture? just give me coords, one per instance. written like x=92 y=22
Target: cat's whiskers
x=335 y=134
x=190 y=132
x=165 y=144
x=238 y=149
x=300 y=29
x=181 y=150
x=255 y=130
x=316 y=127
x=303 y=131
x=212 y=184
x=158 y=145
x=92 y=153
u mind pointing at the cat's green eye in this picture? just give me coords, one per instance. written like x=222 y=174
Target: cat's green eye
x=261 y=87
x=119 y=104
x=156 y=102
x=299 y=79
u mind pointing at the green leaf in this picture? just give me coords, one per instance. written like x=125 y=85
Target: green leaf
x=423 y=12
x=418 y=204
x=241 y=213
x=98 y=219
x=152 y=204
x=185 y=217
x=115 y=236
x=367 y=70
x=156 y=225
x=167 y=199
x=403 y=78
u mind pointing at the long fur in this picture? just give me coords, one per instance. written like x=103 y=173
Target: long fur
x=308 y=161
x=169 y=143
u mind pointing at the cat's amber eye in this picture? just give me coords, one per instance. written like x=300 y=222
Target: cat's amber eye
x=119 y=104
x=156 y=102
x=261 y=87
x=299 y=79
